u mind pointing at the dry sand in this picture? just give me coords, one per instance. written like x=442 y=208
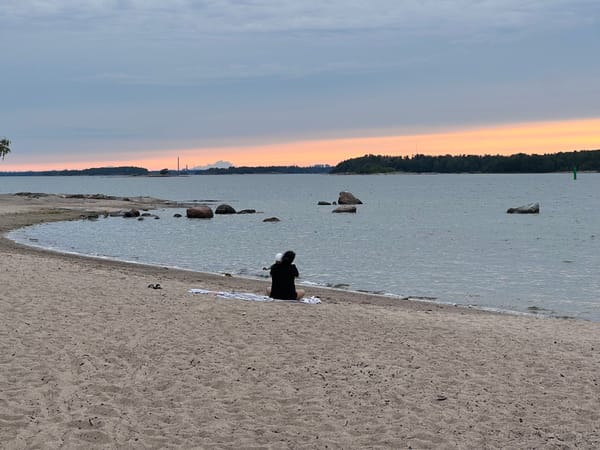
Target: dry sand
x=93 y=358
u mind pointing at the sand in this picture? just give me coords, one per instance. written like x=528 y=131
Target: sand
x=90 y=357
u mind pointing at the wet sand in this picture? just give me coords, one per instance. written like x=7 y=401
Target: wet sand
x=91 y=357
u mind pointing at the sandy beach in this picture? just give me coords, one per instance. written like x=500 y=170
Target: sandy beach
x=91 y=357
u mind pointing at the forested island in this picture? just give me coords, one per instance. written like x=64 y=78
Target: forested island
x=140 y=171
x=585 y=160
x=124 y=170
x=320 y=168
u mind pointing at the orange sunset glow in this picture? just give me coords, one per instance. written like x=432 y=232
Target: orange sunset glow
x=537 y=137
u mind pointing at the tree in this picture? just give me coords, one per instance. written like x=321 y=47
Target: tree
x=4 y=147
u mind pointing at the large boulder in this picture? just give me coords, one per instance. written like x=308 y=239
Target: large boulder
x=532 y=208
x=247 y=211
x=271 y=219
x=224 y=209
x=347 y=198
x=345 y=209
x=199 y=212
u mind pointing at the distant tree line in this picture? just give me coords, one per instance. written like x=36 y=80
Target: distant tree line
x=125 y=170
x=261 y=170
x=142 y=171
x=585 y=160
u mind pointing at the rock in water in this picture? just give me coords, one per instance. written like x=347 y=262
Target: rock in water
x=347 y=198
x=345 y=209
x=131 y=213
x=532 y=208
x=199 y=212
x=224 y=209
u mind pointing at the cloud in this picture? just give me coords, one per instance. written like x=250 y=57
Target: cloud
x=187 y=43
x=310 y=16
x=210 y=39
x=181 y=72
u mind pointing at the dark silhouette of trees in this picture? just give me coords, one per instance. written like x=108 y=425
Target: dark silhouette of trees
x=584 y=160
x=124 y=170
x=261 y=170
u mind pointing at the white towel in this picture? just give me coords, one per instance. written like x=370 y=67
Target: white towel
x=252 y=297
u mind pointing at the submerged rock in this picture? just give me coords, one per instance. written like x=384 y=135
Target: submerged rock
x=345 y=209
x=271 y=219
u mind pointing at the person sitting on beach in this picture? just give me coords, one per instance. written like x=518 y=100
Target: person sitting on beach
x=283 y=275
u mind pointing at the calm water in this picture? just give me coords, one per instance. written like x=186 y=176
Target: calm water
x=444 y=237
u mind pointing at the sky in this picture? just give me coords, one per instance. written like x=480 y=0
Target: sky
x=279 y=82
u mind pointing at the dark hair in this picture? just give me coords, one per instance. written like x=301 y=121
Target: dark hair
x=288 y=257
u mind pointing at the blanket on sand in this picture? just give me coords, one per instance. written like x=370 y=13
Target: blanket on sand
x=253 y=297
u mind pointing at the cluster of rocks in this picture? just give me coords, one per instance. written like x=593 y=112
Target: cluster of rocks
x=135 y=213
x=127 y=214
x=90 y=196
x=75 y=196
x=95 y=197
x=347 y=202
x=206 y=212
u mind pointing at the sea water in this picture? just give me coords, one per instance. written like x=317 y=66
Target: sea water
x=444 y=238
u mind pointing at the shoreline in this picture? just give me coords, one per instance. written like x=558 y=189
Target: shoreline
x=395 y=298
x=64 y=208
x=313 y=287
x=254 y=281
x=93 y=358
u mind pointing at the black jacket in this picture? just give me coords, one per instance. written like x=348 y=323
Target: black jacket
x=282 y=286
